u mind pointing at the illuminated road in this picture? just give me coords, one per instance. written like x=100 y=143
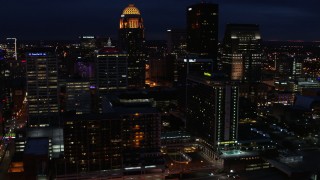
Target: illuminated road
x=17 y=121
x=5 y=163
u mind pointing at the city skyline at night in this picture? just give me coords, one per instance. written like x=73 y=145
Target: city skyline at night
x=159 y=90
x=66 y=20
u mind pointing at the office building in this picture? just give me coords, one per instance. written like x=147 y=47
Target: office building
x=11 y=48
x=78 y=96
x=87 y=46
x=127 y=139
x=92 y=142
x=87 y=42
x=111 y=69
x=242 y=53
x=212 y=110
x=141 y=136
x=202 y=30
x=42 y=84
x=177 y=41
x=288 y=67
x=131 y=40
x=191 y=64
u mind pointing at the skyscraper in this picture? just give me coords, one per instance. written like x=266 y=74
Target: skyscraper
x=42 y=83
x=131 y=40
x=112 y=72
x=242 y=53
x=212 y=109
x=176 y=41
x=78 y=93
x=202 y=29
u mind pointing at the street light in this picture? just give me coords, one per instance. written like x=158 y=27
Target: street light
x=15 y=47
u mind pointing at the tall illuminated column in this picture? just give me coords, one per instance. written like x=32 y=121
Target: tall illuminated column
x=131 y=40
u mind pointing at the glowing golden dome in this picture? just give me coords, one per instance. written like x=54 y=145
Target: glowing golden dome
x=131 y=18
x=131 y=9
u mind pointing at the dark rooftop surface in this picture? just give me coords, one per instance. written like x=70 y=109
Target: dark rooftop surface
x=134 y=110
x=37 y=146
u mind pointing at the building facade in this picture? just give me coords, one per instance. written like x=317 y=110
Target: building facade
x=111 y=69
x=202 y=29
x=126 y=139
x=42 y=84
x=131 y=40
x=212 y=110
x=242 y=53
x=78 y=93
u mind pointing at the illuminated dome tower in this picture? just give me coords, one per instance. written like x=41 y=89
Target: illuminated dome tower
x=131 y=40
x=131 y=18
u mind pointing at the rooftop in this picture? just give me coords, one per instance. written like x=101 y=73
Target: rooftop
x=37 y=146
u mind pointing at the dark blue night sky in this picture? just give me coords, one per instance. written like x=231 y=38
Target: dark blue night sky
x=67 y=19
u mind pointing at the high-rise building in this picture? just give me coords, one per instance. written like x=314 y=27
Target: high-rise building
x=42 y=83
x=242 y=53
x=78 y=93
x=141 y=136
x=87 y=42
x=212 y=109
x=126 y=139
x=131 y=40
x=177 y=41
x=112 y=69
x=202 y=29
x=190 y=64
x=87 y=46
x=92 y=142
x=11 y=48
x=288 y=67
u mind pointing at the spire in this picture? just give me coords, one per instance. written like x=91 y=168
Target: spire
x=109 y=44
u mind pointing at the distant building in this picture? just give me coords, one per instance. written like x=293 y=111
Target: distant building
x=288 y=67
x=111 y=69
x=202 y=30
x=131 y=40
x=78 y=96
x=177 y=41
x=10 y=48
x=87 y=46
x=87 y=42
x=42 y=84
x=242 y=53
x=92 y=142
